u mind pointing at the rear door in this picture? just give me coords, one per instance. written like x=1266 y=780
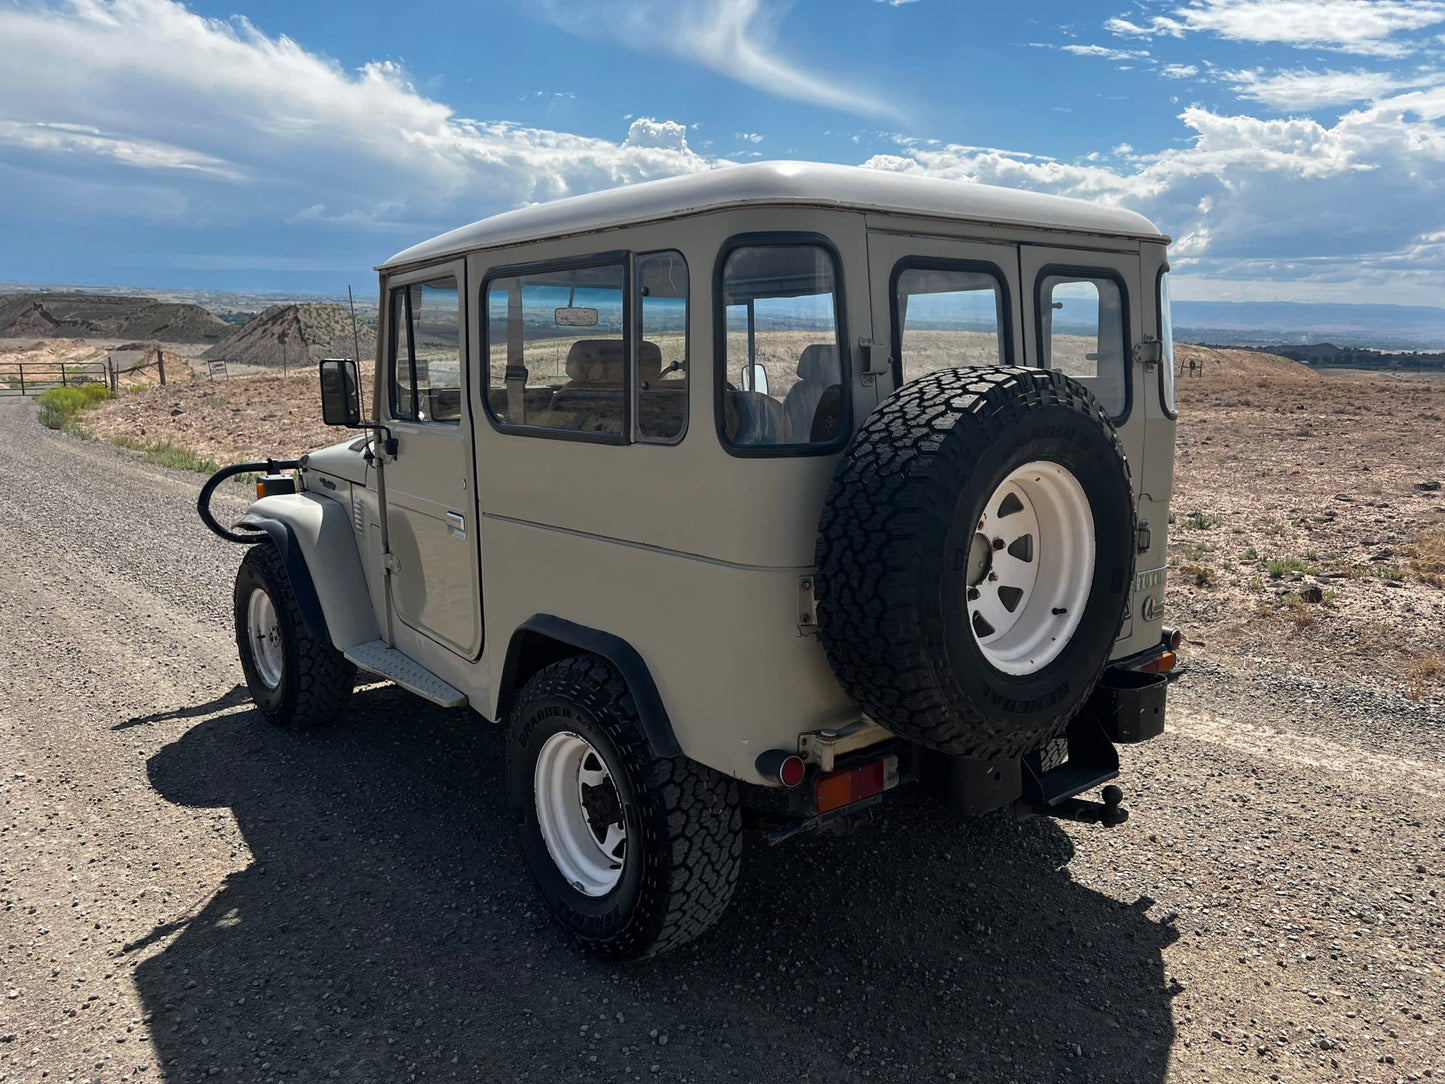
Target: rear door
x=431 y=508
x=1083 y=312
x=941 y=303
x=1082 y=315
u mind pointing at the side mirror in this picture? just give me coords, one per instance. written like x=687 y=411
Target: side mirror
x=340 y=393
x=755 y=378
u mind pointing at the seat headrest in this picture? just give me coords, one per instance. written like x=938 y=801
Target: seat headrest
x=600 y=361
x=818 y=364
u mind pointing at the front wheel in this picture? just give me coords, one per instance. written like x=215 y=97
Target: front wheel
x=296 y=680
x=635 y=854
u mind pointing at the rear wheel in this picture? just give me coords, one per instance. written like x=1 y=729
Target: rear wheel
x=635 y=854
x=295 y=679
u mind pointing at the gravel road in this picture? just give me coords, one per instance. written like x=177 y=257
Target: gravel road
x=186 y=893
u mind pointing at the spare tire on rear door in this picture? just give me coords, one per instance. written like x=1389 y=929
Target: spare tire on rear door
x=974 y=558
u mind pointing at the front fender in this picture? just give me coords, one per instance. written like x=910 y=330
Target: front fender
x=317 y=543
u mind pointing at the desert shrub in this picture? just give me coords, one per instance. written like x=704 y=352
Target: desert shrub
x=60 y=406
x=1250 y=554
x=1280 y=566
x=1202 y=521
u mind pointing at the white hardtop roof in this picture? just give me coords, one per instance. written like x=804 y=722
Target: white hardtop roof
x=809 y=183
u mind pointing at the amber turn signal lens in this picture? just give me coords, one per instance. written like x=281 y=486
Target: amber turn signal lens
x=1159 y=665
x=837 y=789
x=260 y=489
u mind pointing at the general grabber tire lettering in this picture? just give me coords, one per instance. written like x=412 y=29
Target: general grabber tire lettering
x=296 y=680
x=582 y=779
x=914 y=539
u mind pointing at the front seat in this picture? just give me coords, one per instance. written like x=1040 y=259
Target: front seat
x=817 y=373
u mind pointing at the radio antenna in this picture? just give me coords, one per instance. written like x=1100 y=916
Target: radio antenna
x=355 y=335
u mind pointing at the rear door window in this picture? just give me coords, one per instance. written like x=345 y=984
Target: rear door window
x=946 y=316
x=1082 y=333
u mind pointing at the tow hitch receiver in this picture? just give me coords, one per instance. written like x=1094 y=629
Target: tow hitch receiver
x=1092 y=760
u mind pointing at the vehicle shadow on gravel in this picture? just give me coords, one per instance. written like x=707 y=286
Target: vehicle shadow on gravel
x=385 y=930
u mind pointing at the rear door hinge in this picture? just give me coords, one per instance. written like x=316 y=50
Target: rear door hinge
x=807 y=608
x=1146 y=536
x=391 y=562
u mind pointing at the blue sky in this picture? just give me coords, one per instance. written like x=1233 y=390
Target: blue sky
x=1295 y=148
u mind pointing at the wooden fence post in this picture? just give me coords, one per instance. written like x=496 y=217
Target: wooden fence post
x=22 y=378
x=161 y=363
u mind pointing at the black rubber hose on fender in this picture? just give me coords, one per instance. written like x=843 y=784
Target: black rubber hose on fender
x=203 y=502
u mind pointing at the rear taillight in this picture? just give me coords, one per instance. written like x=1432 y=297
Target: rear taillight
x=849 y=785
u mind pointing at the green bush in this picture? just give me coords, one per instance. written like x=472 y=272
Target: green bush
x=59 y=406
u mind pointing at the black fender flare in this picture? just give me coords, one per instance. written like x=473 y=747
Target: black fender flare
x=650 y=710
x=284 y=539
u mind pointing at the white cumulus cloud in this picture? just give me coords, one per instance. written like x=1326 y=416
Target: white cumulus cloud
x=1353 y=26
x=252 y=122
x=1355 y=202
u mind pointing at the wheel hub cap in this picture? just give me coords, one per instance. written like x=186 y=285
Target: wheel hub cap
x=580 y=814
x=1030 y=567
x=264 y=631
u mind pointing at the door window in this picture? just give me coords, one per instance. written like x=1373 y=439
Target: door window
x=947 y=316
x=782 y=370
x=426 y=352
x=556 y=352
x=1081 y=333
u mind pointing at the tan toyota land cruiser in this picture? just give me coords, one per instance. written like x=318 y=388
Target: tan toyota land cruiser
x=742 y=498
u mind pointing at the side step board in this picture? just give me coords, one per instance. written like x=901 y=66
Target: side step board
x=379 y=658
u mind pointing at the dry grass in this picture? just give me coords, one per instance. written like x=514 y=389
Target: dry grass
x=1427 y=557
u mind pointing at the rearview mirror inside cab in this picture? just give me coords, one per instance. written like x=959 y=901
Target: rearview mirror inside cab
x=571 y=317
x=340 y=393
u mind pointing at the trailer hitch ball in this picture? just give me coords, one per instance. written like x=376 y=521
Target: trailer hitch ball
x=1113 y=813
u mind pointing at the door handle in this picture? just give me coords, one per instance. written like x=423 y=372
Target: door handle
x=457 y=523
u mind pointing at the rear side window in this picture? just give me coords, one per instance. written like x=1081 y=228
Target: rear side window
x=1081 y=333
x=425 y=352
x=946 y=316
x=556 y=351
x=661 y=384
x=781 y=377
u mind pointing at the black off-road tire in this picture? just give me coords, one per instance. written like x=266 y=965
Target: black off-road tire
x=903 y=505
x=316 y=679
x=683 y=820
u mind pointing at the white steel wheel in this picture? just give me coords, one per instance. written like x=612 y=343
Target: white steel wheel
x=1030 y=567
x=579 y=813
x=264 y=635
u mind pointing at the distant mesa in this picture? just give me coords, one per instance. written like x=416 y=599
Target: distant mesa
x=294 y=334
x=100 y=316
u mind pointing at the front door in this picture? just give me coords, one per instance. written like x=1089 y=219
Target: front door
x=431 y=508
